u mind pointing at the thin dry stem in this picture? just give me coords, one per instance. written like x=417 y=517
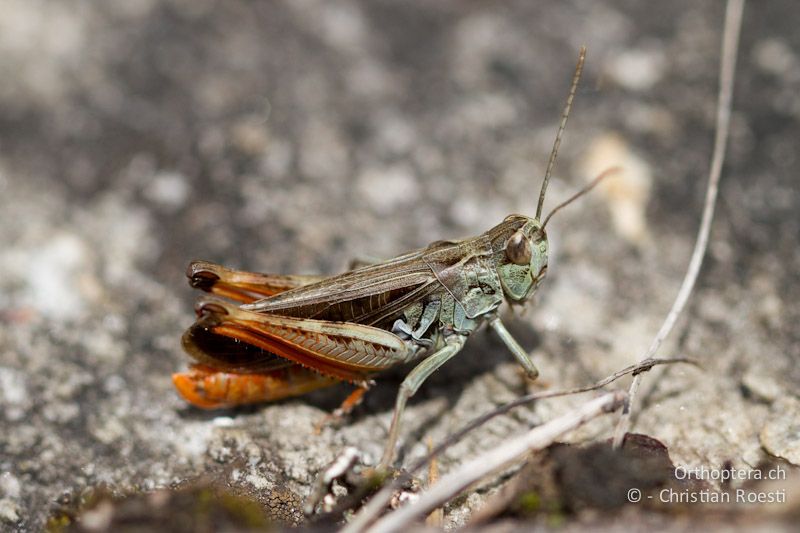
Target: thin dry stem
x=379 y=501
x=436 y=518
x=475 y=423
x=730 y=41
x=494 y=460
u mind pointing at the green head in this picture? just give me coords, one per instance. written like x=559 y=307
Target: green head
x=520 y=246
x=522 y=262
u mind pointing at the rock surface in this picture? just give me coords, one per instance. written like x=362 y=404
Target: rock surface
x=293 y=136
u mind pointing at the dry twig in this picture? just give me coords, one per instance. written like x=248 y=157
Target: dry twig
x=730 y=41
x=379 y=501
x=471 y=472
x=492 y=461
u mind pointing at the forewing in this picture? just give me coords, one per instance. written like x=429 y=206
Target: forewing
x=357 y=295
x=242 y=286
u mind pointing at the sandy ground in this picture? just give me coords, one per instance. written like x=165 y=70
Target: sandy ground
x=293 y=136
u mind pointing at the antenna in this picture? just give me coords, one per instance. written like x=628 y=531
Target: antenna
x=564 y=116
x=603 y=175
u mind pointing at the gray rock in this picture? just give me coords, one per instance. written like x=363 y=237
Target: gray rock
x=137 y=137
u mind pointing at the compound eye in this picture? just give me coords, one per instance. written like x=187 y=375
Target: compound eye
x=518 y=249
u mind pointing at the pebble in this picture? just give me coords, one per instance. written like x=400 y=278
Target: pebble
x=9 y=511
x=781 y=434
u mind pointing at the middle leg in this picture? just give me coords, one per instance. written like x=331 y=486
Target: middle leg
x=410 y=386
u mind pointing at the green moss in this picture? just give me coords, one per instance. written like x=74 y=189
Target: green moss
x=57 y=523
x=529 y=502
x=247 y=512
x=556 y=519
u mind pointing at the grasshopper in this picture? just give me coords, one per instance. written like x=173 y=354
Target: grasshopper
x=286 y=335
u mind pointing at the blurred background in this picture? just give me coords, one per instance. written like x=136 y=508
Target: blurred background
x=293 y=136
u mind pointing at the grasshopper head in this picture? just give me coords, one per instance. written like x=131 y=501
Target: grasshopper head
x=520 y=244
x=522 y=264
